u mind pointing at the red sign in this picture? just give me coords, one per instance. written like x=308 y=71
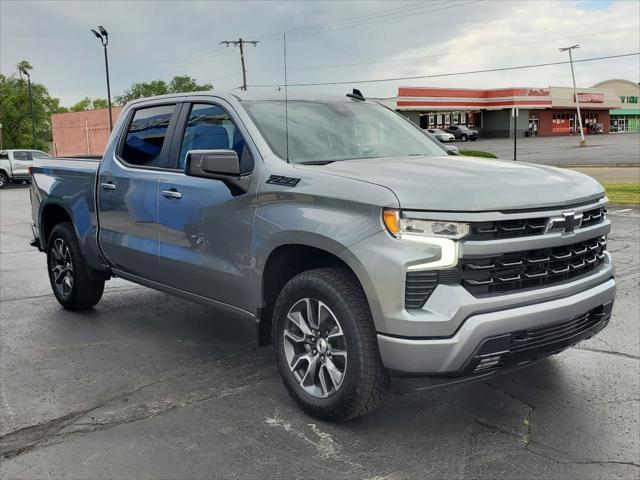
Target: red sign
x=590 y=97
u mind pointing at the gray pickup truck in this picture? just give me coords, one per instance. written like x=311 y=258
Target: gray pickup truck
x=365 y=254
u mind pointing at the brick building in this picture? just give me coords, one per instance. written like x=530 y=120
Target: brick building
x=81 y=133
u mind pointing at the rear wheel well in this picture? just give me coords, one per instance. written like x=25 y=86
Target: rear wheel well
x=284 y=263
x=51 y=216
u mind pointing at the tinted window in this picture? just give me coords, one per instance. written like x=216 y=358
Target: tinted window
x=39 y=155
x=4 y=156
x=145 y=136
x=210 y=127
x=21 y=156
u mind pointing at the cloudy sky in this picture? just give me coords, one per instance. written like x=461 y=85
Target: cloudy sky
x=326 y=42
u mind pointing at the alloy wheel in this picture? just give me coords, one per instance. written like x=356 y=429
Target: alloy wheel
x=62 y=267
x=315 y=347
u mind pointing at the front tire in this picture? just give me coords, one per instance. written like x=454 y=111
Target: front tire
x=3 y=180
x=73 y=283
x=463 y=138
x=325 y=345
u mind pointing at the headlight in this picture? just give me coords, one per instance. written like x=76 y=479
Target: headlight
x=412 y=229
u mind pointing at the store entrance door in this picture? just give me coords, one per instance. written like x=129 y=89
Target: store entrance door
x=533 y=127
x=622 y=125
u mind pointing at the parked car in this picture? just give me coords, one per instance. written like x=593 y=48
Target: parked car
x=452 y=149
x=441 y=135
x=364 y=253
x=463 y=133
x=14 y=165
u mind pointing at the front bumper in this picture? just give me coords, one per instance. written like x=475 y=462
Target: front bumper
x=455 y=356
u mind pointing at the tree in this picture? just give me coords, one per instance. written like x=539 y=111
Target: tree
x=87 y=104
x=182 y=84
x=81 y=106
x=178 y=84
x=15 y=114
x=100 y=103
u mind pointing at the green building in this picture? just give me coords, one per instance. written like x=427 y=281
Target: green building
x=627 y=118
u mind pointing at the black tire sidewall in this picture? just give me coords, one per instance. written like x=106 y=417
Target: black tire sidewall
x=86 y=291
x=306 y=286
x=61 y=231
x=463 y=137
x=4 y=181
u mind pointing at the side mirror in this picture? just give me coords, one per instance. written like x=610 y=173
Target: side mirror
x=218 y=165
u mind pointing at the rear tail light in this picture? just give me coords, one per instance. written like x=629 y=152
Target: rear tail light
x=30 y=169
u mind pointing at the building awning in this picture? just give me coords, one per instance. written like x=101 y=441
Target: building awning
x=432 y=99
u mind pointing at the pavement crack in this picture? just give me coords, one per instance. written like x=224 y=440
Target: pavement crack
x=607 y=352
x=28 y=438
x=575 y=462
x=508 y=394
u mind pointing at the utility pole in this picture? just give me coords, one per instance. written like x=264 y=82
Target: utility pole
x=240 y=43
x=583 y=142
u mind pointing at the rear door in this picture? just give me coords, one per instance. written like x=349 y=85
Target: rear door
x=20 y=163
x=205 y=227
x=128 y=190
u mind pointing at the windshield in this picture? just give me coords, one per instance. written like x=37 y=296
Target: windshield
x=328 y=131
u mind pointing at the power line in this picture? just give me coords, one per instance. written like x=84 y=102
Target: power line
x=449 y=52
x=386 y=11
x=418 y=77
x=384 y=18
x=240 y=43
x=352 y=22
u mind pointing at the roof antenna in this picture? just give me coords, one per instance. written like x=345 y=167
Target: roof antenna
x=286 y=97
x=357 y=95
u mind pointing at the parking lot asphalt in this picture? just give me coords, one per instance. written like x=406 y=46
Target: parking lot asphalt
x=612 y=149
x=147 y=385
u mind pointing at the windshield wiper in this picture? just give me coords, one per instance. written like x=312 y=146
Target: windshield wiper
x=316 y=162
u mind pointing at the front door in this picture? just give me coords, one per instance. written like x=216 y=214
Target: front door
x=128 y=191
x=205 y=226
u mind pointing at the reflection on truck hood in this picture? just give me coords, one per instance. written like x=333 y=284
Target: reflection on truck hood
x=470 y=184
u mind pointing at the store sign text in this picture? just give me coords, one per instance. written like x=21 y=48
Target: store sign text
x=629 y=99
x=590 y=97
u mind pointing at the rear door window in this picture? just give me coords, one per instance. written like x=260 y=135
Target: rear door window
x=145 y=138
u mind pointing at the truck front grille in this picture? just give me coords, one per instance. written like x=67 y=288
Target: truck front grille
x=527 y=227
x=528 y=269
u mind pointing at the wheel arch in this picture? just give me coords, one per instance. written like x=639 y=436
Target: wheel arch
x=52 y=214
x=287 y=260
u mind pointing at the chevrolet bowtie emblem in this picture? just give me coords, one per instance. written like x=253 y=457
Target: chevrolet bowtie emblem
x=566 y=224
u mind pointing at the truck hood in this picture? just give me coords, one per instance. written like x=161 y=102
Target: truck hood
x=451 y=183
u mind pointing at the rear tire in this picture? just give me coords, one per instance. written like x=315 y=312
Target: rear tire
x=74 y=284
x=463 y=137
x=331 y=366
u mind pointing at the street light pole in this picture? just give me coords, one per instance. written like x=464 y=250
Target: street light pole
x=583 y=142
x=33 y=118
x=103 y=36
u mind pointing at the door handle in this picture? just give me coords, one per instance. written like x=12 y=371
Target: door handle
x=173 y=193
x=108 y=186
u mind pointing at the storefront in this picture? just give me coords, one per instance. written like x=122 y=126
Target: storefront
x=627 y=118
x=541 y=111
